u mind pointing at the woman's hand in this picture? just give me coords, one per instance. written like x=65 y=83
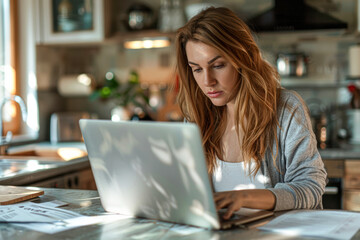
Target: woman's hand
x=232 y=200
x=252 y=198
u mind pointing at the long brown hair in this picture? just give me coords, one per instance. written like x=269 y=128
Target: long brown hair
x=257 y=94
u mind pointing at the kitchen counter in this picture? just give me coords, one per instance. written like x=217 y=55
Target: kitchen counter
x=45 y=164
x=346 y=152
x=55 y=151
x=31 y=170
x=339 y=154
x=88 y=203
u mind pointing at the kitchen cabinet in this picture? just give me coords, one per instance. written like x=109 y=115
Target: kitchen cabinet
x=334 y=168
x=71 y=21
x=332 y=198
x=343 y=188
x=82 y=179
x=351 y=196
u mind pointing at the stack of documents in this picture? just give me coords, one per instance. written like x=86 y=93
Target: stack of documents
x=316 y=223
x=48 y=218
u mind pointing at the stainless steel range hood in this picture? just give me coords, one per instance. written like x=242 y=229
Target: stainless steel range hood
x=294 y=15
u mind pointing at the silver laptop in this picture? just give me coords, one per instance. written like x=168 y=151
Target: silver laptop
x=155 y=170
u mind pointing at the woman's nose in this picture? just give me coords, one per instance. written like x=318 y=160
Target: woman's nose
x=209 y=79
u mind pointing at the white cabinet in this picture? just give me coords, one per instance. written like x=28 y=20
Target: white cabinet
x=71 y=21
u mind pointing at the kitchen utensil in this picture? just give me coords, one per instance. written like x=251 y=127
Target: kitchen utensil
x=11 y=194
x=292 y=64
x=140 y=16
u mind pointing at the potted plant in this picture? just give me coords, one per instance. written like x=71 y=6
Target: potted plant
x=128 y=96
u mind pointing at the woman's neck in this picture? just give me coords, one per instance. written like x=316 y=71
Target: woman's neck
x=230 y=139
x=230 y=109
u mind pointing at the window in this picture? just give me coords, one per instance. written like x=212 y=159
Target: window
x=4 y=42
x=17 y=74
x=7 y=80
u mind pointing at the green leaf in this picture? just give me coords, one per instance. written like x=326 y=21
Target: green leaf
x=105 y=92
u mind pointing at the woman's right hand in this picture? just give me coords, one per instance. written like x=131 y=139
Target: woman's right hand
x=249 y=198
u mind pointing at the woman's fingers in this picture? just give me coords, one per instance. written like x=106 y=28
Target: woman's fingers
x=231 y=200
x=224 y=199
x=218 y=196
x=222 y=204
x=230 y=210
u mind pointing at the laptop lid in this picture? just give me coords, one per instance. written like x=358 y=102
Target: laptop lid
x=154 y=170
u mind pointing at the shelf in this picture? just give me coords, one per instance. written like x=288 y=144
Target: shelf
x=152 y=33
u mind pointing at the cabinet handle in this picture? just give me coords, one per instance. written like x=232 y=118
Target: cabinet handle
x=69 y=183
x=76 y=181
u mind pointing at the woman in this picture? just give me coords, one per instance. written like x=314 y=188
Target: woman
x=254 y=132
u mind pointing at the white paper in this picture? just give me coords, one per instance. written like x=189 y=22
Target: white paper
x=45 y=217
x=316 y=223
x=33 y=212
x=54 y=203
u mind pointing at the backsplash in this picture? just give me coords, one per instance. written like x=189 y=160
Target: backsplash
x=328 y=63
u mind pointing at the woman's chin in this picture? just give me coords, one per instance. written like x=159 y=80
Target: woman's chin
x=218 y=103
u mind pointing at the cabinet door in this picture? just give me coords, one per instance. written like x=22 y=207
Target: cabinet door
x=351 y=198
x=71 y=21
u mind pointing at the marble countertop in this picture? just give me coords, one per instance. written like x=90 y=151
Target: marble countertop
x=56 y=151
x=29 y=170
x=88 y=203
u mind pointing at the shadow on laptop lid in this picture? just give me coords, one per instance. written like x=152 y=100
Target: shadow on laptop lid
x=154 y=170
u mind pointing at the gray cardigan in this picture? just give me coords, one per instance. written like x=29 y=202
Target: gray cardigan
x=298 y=180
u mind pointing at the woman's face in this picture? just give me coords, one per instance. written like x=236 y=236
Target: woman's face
x=214 y=74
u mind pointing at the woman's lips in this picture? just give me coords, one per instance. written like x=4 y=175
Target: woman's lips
x=214 y=94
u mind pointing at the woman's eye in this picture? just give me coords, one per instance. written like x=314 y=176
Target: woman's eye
x=196 y=70
x=218 y=66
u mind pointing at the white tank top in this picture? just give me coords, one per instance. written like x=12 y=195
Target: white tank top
x=229 y=176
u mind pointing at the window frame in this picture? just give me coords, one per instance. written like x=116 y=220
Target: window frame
x=21 y=70
x=9 y=63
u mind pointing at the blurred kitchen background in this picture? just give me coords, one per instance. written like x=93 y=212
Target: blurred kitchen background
x=314 y=62
x=110 y=59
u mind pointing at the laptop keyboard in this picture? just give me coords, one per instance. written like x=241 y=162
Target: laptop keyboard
x=235 y=216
